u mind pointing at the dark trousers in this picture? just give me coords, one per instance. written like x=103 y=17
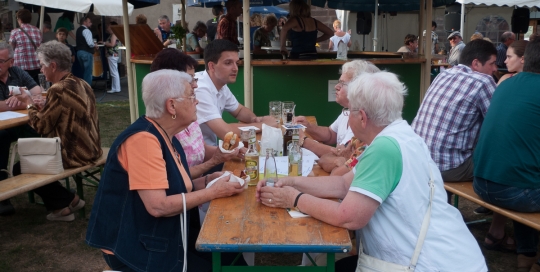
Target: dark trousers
x=8 y=136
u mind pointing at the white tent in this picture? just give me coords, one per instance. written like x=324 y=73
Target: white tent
x=510 y=3
x=101 y=7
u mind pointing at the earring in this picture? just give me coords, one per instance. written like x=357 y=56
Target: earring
x=173 y=117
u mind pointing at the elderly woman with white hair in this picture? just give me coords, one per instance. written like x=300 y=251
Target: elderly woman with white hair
x=70 y=114
x=146 y=185
x=395 y=196
x=339 y=133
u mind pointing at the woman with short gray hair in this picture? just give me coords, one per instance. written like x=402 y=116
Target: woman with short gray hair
x=146 y=184
x=70 y=114
x=337 y=161
x=395 y=196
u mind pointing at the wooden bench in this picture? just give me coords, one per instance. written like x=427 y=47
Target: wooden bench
x=465 y=189
x=27 y=182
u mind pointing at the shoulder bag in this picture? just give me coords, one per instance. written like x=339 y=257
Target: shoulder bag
x=38 y=156
x=367 y=263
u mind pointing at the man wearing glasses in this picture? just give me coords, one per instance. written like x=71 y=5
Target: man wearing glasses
x=11 y=76
x=456 y=41
x=507 y=38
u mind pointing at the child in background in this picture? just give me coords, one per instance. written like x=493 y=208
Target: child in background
x=61 y=36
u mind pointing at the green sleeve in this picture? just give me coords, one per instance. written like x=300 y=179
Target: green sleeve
x=379 y=170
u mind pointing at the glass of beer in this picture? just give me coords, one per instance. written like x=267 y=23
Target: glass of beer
x=275 y=110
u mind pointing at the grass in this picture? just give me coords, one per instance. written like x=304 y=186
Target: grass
x=28 y=242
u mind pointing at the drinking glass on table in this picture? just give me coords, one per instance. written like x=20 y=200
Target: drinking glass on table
x=287 y=112
x=275 y=110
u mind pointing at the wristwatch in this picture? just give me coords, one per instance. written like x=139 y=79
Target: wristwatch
x=29 y=106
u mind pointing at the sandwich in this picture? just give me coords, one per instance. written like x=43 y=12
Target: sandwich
x=229 y=141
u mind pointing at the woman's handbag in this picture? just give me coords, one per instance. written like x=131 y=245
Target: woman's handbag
x=367 y=263
x=38 y=156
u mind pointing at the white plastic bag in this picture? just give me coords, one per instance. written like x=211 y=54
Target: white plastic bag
x=271 y=138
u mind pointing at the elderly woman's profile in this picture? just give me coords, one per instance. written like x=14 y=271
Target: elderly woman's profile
x=393 y=191
x=136 y=218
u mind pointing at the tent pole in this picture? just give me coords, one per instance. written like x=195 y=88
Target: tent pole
x=462 y=23
x=184 y=25
x=375 y=24
x=427 y=65
x=41 y=18
x=421 y=27
x=132 y=93
x=248 y=93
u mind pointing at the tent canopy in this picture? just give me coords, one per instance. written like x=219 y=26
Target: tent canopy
x=384 y=5
x=252 y=3
x=279 y=12
x=519 y=3
x=101 y=7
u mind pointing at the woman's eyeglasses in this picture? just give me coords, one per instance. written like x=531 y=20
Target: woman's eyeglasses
x=342 y=83
x=192 y=97
x=347 y=111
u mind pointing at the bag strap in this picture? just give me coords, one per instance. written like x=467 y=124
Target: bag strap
x=425 y=224
x=24 y=31
x=183 y=231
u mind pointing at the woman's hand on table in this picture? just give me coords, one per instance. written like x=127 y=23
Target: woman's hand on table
x=242 y=152
x=340 y=151
x=282 y=182
x=224 y=188
x=277 y=197
x=302 y=121
x=330 y=161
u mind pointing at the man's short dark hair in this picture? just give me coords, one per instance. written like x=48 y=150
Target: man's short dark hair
x=216 y=10
x=433 y=24
x=213 y=50
x=63 y=30
x=532 y=57
x=173 y=59
x=231 y=3
x=47 y=25
x=479 y=49
x=410 y=38
x=83 y=19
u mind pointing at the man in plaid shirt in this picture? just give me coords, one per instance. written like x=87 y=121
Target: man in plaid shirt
x=453 y=110
x=25 y=40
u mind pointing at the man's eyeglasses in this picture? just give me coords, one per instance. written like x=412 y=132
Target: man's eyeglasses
x=4 y=61
x=342 y=83
x=347 y=111
x=192 y=97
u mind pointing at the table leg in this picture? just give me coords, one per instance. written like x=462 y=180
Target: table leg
x=330 y=262
x=216 y=261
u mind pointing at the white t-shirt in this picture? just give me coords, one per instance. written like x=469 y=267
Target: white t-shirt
x=211 y=105
x=335 y=40
x=341 y=127
x=395 y=170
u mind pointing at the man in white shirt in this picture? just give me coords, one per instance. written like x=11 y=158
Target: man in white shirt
x=220 y=58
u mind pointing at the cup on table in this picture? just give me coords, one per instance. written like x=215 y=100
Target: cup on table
x=275 y=110
x=287 y=112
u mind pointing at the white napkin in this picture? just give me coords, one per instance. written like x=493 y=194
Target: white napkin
x=233 y=178
x=294 y=213
x=220 y=144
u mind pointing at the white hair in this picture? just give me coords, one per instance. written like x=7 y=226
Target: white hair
x=380 y=95
x=161 y=85
x=354 y=68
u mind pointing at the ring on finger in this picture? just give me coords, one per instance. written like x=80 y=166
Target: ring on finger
x=270 y=200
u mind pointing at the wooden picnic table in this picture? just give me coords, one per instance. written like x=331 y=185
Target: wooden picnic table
x=15 y=122
x=241 y=224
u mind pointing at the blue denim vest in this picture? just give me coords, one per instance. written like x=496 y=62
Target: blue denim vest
x=119 y=221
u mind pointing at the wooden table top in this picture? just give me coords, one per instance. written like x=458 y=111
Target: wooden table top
x=15 y=121
x=241 y=224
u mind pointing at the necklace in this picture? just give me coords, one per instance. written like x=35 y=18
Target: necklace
x=176 y=154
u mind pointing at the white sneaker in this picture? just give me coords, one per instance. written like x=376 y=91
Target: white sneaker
x=111 y=91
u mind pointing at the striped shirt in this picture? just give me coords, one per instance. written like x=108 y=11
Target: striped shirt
x=25 y=53
x=501 y=55
x=452 y=113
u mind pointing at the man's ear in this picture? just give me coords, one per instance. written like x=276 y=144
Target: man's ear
x=211 y=66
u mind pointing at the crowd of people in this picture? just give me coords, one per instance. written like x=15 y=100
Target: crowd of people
x=389 y=175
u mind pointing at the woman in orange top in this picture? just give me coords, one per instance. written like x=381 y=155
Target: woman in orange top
x=146 y=184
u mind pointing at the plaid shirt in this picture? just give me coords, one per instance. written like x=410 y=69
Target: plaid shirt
x=452 y=113
x=25 y=54
x=227 y=30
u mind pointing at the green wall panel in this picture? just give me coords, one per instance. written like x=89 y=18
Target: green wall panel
x=306 y=86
